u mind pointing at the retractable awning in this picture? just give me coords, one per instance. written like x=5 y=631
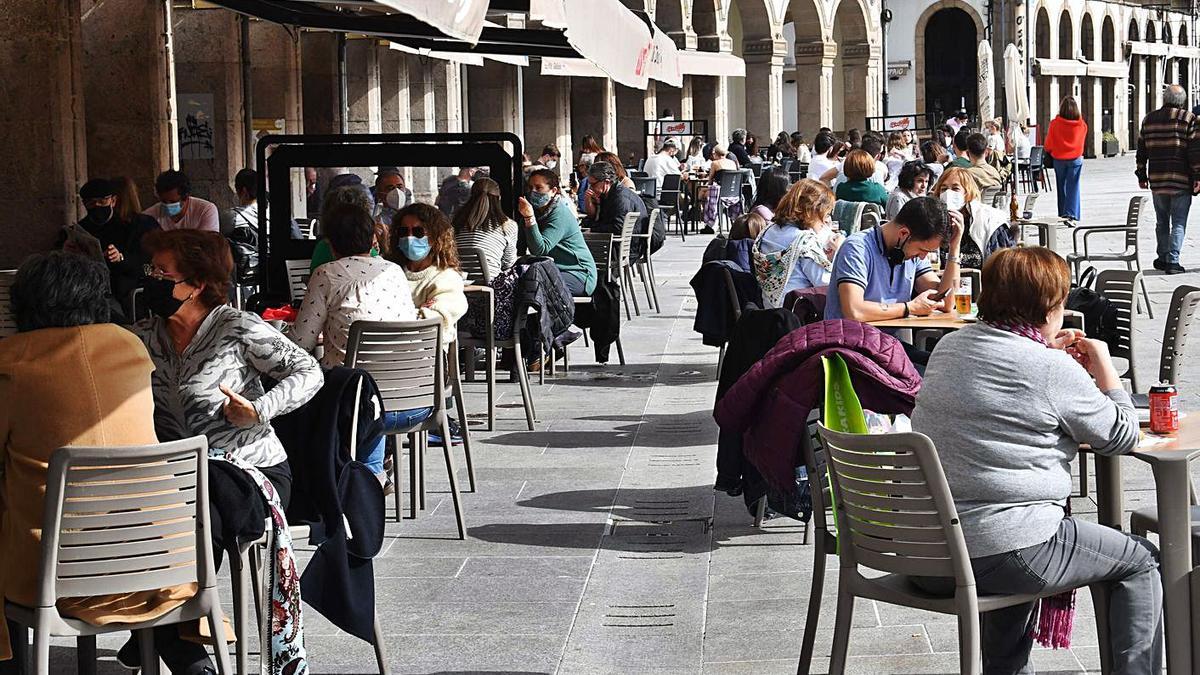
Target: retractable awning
x=630 y=49
x=711 y=63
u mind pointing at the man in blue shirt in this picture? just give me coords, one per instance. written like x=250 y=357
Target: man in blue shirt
x=881 y=273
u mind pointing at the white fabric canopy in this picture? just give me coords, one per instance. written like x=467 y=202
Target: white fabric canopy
x=571 y=68
x=619 y=42
x=987 y=82
x=711 y=63
x=459 y=19
x=1016 y=101
x=461 y=57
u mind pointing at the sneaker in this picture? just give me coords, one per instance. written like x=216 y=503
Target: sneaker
x=707 y=230
x=455 y=434
x=1175 y=268
x=1159 y=264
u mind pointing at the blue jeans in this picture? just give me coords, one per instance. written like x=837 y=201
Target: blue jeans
x=1171 y=213
x=392 y=422
x=1066 y=176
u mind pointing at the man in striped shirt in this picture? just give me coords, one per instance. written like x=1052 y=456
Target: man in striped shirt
x=1169 y=147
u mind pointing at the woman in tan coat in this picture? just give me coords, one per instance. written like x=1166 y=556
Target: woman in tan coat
x=68 y=377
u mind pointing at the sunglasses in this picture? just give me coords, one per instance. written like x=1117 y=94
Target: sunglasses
x=404 y=231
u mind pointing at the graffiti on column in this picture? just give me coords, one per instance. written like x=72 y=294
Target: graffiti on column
x=196 y=126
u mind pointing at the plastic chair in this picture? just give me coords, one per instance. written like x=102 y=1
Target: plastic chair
x=895 y=514
x=305 y=225
x=730 y=185
x=1129 y=255
x=473 y=263
x=1033 y=171
x=1120 y=287
x=8 y=325
x=123 y=520
x=298 y=274
x=601 y=246
x=408 y=364
x=668 y=200
x=625 y=267
x=644 y=264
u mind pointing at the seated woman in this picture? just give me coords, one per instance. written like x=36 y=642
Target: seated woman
x=742 y=235
x=482 y=223
x=935 y=157
x=771 y=189
x=859 y=168
x=551 y=229
x=913 y=181
x=985 y=229
x=356 y=195
x=798 y=249
x=69 y=377
x=1006 y=437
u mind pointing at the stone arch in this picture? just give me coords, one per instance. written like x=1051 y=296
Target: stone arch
x=1042 y=36
x=919 y=44
x=1108 y=40
x=710 y=20
x=756 y=101
x=1087 y=37
x=668 y=16
x=1151 y=31
x=1133 y=94
x=1066 y=36
x=1183 y=34
x=856 y=69
x=815 y=51
x=1108 y=85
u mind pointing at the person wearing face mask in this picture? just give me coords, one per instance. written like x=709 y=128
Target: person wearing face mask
x=798 y=249
x=210 y=360
x=608 y=201
x=390 y=179
x=985 y=228
x=455 y=191
x=663 y=164
x=551 y=229
x=177 y=209
x=548 y=159
x=422 y=242
x=120 y=239
x=882 y=273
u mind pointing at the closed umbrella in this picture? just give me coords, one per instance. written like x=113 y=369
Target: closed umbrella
x=987 y=82
x=1016 y=101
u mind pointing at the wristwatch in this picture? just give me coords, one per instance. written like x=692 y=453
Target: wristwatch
x=905 y=311
x=956 y=259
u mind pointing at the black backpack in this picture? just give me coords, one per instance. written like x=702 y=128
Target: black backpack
x=1099 y=313
x=243 y=244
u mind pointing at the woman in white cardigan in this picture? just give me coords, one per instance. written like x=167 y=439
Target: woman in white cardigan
x=985 y=228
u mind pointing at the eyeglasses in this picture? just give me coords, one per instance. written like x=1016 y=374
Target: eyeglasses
x=404 y=231
x=160 y=274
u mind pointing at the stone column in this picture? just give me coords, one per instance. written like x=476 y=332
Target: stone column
x=208 y=71
x=630 y=111
x=448 y=86
x=42 y=128
x=423 y=116
x=710 y=99
x=547 y=105
x=608 y=101
x=764 y=87
x=364 y=106
x=494 y=97
x=650 y=111
x=860 y=73
x=394 y=94
x=276 y=87
x=318 y=57
x=814 y=85
x=1139 y=96
x=125 y=84
x=1092 y=94
x=687 y=100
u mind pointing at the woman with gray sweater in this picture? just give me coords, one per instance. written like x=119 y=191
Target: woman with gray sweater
x=1007 y=402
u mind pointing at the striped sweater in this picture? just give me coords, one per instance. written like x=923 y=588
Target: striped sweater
x=1168 y=150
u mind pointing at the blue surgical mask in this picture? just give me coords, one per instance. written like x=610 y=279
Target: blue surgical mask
x=539 y=199
x=173 y=208
x=414 y=248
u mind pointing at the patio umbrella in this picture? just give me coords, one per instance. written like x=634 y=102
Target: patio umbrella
x=987 y=82
x=1016 y=101
x=460 y=19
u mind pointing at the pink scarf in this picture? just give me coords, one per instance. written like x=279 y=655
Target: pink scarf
x=1056 y=614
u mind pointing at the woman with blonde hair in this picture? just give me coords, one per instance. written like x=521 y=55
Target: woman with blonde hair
x=797 y=250
x=985 y=229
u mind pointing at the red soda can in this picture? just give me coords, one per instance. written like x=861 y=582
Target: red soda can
x=1164 y=409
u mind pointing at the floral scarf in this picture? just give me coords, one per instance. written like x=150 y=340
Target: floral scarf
x=1056 y=614
x=774 y=270
x=286 y=620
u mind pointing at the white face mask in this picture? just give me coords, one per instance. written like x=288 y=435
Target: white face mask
x=551 y=164
x=953 y=200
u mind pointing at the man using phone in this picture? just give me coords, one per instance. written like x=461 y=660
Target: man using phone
x=881 y=273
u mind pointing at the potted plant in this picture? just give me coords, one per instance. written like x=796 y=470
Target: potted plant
x=1111 y=146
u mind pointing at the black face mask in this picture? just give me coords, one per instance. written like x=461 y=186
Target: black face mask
x=158 y=294
x=895 y=254
x=100 y=214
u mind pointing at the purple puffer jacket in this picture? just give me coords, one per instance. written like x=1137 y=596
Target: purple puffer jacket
x=770 y=404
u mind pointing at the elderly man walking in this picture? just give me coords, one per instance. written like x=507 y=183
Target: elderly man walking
x=1168 y=162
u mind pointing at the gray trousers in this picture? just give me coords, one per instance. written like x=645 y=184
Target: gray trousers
x=1080 y=554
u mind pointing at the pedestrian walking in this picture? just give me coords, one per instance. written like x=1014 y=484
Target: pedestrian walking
x=1064 y=144
x=1168 y=163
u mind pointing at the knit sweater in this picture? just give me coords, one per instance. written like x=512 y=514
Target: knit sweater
x=444 y=288
x=1007 y=416
x=1168 y=150
x=1065 y=138
x=557 y=235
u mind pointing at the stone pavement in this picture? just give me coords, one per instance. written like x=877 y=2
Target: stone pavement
x=597 y=545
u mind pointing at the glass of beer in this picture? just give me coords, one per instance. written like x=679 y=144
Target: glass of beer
x=962 y=297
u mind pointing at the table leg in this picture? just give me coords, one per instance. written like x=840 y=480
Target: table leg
x=1175 y=562
x=1110 y=500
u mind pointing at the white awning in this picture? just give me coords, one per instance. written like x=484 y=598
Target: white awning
x=571 y=68
x=711 y=63
x=618 y=41
x=461 y=57
x=460 y=19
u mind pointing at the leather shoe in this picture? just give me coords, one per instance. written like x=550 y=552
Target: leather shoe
x=1175 y=268
x=1159 y=264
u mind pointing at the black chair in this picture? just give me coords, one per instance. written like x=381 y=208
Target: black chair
x=1033 y=172
x=730 y=185
x=668 y=201
x=645 y=185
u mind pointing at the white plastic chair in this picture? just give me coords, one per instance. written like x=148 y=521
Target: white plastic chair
x=298 y=272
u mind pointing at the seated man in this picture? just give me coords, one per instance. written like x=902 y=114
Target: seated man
x=960 y=148
x=881 y=273
x=611 y=200
x=985 y=174
x=663 y=164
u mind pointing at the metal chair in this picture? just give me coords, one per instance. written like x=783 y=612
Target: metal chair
x=409 y=366
x=729 y=183
x=472 y=262
x=992 y=195
x=298 y=272
x=123 y=520
x=644 y=264
x=895 y=514
x=1030 y=201
x=1129 y=255
x=668 y=201
x=8 y=325
x=625 y=267
x=601 y=246
x=797 y=170
x=645 y=185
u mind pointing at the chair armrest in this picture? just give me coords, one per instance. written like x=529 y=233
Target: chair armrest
x=1086 y=229
x=1100 y=230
